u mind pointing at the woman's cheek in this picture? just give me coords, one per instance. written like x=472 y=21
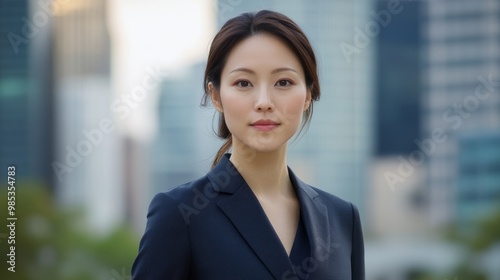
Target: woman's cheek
x=293 y=109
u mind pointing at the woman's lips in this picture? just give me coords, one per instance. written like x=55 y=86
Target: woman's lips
x=264 y=125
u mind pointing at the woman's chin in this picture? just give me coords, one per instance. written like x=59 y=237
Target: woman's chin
x=266 y=148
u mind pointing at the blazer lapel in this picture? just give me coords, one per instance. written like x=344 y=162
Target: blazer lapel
x=315 y=218
x=245 y=212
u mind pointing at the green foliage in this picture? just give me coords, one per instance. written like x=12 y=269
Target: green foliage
x=488 y=234
x=53 y=244
x=479 y=236
x=467 y=272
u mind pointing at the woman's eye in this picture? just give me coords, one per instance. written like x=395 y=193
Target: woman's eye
x=283 y=83
x=243 y=84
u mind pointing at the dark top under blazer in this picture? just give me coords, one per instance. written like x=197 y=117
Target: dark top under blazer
x=214 y=228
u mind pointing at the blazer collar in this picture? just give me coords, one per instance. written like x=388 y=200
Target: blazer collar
x=315 y=217
x=242 y=207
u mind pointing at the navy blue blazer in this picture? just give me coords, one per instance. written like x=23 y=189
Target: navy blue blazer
x=214 y=228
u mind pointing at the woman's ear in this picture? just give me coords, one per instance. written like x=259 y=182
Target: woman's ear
x=308 y=100
x=215 y=97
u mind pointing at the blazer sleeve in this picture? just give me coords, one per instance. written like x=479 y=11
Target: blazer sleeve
x=358 y=251
x=164 y=248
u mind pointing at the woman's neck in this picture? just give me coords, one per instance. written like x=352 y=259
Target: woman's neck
x=265 y=172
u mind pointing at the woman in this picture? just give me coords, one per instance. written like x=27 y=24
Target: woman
x=250 y=217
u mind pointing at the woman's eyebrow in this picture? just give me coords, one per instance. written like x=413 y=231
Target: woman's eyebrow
x=250 y=71
x=242 y=69
x=283 y=69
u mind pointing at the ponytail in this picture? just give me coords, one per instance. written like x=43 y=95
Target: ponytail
x=225 y=134
x=223 y=149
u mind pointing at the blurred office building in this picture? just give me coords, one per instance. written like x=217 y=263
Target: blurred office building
x=334 y=152
x=157 y=95
x=185 y=139
x=399 y=210
x=461 y=109
x=88 y=156
x=400 y=236
x=397 y=102
x=397 y=189
x=26 y=99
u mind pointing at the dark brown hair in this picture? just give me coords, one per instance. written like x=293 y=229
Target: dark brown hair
x=243 y=26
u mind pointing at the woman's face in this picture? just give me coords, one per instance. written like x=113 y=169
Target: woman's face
x=263 y=93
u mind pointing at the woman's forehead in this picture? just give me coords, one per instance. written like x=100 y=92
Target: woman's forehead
x=262 y=52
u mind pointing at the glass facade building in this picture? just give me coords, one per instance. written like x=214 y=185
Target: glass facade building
x=26 y=100
x=461 y=101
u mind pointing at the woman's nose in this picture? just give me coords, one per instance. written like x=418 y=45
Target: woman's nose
x=264 y=101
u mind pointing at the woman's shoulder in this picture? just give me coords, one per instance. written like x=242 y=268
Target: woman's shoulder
x=334 y=202
x=329 y=196
x=186 y=191
x=177 y=205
